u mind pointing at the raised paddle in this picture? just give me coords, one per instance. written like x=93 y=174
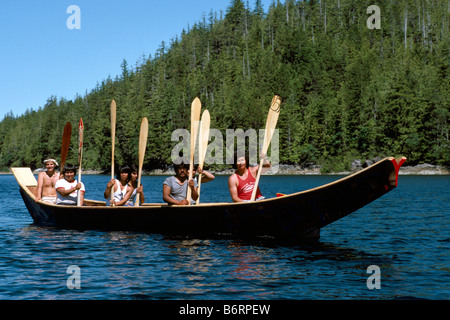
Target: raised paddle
x=65 y=144
x=271 y=123
x=142 y=145
x=80 y=156
x=196 y=106
x=202 y=145
x=113 y=142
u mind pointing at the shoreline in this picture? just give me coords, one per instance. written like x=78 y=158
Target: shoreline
x=294 y=170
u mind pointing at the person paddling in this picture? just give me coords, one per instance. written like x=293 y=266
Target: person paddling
x=120 y=185
x=134 y=188
x=175 y=187
x=68 y=189
x=242 y=181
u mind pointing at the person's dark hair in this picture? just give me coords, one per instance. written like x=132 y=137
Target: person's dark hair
x=181 y=165
x=134 y=168
x=69 y=167
x=238 y=155
x=123 y=168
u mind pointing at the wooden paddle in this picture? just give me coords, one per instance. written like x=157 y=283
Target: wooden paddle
x=142 y=145
x=202 y=145
x=80 y=156
x=113 y=143
x=65 y=144
x=271 y=123
x=196 y=106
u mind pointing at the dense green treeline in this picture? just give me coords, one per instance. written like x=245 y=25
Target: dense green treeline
x=348 y=91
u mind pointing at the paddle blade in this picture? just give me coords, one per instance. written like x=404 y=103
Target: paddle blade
x=80 y=156
x=113 y=116
x=80 y=140
x=65 y=143
x=113 y=141
x=203 y=137
x=271 y=122
x=143 y=134
x=202 y=145
x=113 y=125
x=196 y=107
x=80 y=130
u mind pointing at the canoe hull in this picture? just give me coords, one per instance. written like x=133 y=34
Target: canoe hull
x=296 y=216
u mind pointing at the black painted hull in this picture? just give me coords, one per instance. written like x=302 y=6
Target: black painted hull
x=292 y=216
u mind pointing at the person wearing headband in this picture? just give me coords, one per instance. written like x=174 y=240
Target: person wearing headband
x=46 y=182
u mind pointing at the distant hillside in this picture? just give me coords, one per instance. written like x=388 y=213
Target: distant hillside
x=349 y=92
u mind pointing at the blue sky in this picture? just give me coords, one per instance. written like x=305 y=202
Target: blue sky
x=41 y=57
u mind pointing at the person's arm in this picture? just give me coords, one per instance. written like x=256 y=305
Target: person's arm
x=140 y=191
x=206 y=176
x=232 y=186
x=125 y=198
x=167 y=198
x=266 y=166
x=107 y=193
x=81 y=195
x=194 y=190
x=40 y=186
x=66 y=193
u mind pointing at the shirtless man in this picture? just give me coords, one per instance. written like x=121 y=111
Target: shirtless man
x=46 y=182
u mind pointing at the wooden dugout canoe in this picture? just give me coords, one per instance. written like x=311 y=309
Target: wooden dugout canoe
x=293 y=216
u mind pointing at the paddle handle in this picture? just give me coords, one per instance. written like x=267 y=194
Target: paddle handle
x=196 y=107
x=191 y=162
x=80 y=157
x=189 y=191
x=199 y=185
x=143 y=134
x=113 y=142
x=137 y=194
x=203 y=145
x=258 y=175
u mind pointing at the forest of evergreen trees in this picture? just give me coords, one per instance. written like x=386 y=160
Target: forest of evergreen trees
x=349 y=92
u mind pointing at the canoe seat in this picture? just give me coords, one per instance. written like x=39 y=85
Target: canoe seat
x=25 y=177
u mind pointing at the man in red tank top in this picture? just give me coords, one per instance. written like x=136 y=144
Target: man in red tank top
x=242 y=182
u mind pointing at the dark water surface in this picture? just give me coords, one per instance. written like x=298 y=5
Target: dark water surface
x=405 y=233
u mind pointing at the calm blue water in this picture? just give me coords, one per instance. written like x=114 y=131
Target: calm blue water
x=405 y=233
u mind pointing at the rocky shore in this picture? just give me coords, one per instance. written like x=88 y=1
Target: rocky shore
x=312 y=169
x=421 y=169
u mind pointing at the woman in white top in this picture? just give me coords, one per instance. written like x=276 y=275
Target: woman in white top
x=121 y=187
x=134 y=187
